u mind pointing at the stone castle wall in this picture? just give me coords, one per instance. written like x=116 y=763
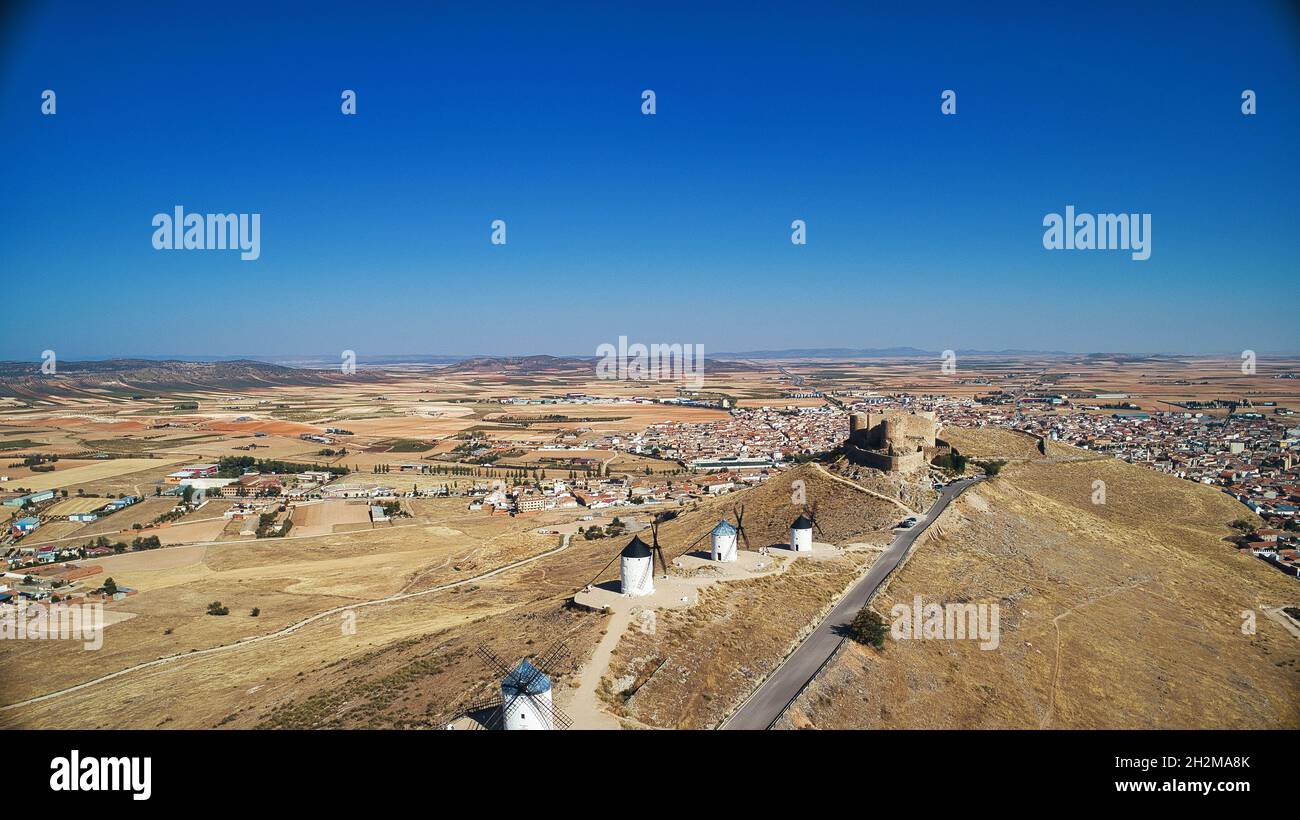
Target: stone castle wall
x=893 y=441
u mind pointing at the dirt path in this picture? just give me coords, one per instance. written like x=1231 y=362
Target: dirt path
x=862 y=489
x=1056 y=657
x=288 y=630
x=675 y=592
x=1280 y=617
x=584 y=707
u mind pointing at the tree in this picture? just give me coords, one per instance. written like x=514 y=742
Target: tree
x=215 y=608
x=868 y=628
x=110 y=587
x=953 y=462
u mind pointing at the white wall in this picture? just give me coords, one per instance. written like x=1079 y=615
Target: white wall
x=636 y=575
x=801 y=540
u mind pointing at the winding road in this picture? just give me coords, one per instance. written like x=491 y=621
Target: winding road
x=766 y=705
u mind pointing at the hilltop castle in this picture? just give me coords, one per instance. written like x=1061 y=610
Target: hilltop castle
x=894 y=441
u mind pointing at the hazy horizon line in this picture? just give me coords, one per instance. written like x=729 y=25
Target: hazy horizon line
x=775 y=353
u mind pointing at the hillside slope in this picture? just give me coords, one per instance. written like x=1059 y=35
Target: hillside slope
x=699 y=663
x=148 y=376
x=1126 y=614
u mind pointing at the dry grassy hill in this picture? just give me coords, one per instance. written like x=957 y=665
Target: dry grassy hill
x=1126 y=614
x=699 y=663
x=845 y=515
x=992 y=442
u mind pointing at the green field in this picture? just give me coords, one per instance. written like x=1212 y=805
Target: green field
x=407 y=445
x=19 y=444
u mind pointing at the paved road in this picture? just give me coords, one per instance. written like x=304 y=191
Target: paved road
x=771 y=699
x=798 y=380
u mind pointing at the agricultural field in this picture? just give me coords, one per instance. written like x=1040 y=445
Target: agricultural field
x=118 y=524
x=72 y=506
x=111 y=473
x=329 y=517
x=287 y=580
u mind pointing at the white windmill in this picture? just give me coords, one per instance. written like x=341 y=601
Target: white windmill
x=725 y=537
x=636 y=568
x=724 y=542
x=801 y=531
x=525 y=694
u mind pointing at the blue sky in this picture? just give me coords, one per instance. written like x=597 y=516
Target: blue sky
x=923 y=230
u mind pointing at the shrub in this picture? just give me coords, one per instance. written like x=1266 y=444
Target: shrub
x=215 y=608
x=868 y=628
x=953 y=462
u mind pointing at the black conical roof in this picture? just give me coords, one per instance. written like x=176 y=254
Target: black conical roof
x=803 y=522
x=636 y=548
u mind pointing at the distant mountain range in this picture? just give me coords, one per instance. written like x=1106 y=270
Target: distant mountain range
x=877 y=353
x=152 y=377
x=524 y=365
x=518 y=365
x=149 y=376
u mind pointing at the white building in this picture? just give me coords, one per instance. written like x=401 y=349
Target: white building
x=724 y=542
x=801 y=534
x=526 y=699
x=636 y=568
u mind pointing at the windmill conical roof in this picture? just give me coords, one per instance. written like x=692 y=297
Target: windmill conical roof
x=803 y=522
x=724 y=528
x=636 y=548
x=526 y=679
